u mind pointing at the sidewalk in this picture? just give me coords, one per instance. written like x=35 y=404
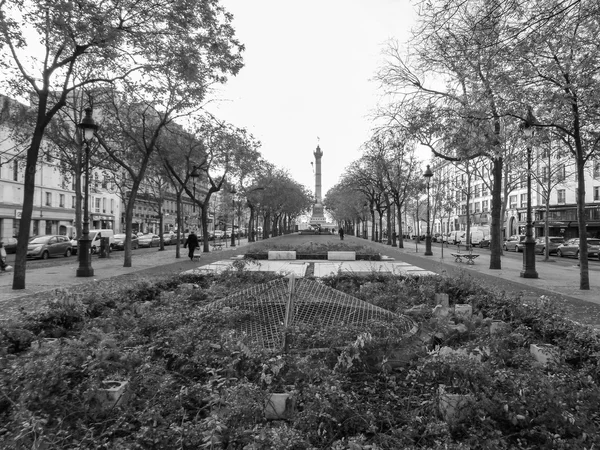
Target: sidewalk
x=63 y=276
x=552 y=277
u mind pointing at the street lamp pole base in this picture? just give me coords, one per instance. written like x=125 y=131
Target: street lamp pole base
x=85 y=268
x=529 y=270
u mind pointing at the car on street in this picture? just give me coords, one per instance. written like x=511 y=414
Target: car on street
x=50 y=245
x=169 y=238
x=119 y=242
x=571 y=248
x=10 y=245
x=149 y=240
x=553 y=243
x=515 y=243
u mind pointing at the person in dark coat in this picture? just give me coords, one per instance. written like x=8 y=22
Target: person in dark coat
x=341 y=233
x=191 y=243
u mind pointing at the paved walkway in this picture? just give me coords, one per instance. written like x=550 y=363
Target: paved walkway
x=555 y=280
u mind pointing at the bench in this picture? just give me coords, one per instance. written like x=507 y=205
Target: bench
x=469 y=257
x=217 y=246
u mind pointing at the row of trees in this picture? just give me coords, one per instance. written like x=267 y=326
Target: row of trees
x=475 y=72
x=147 y=70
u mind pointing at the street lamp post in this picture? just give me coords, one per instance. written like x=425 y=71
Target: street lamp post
x=529 y=253
x=428 y=174
x=89 y=127
x=233 y=193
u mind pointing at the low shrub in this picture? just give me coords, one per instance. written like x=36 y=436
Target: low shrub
x=194 y=382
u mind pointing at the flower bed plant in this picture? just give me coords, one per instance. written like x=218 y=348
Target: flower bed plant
x=193 y=383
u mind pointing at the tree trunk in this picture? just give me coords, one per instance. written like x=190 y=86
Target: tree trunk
x=584 y=275
x=251 y=229
x=178 y=243
x=28 y=194
x=496 y=239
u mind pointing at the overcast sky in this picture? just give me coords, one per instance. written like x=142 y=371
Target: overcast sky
x=308 y=66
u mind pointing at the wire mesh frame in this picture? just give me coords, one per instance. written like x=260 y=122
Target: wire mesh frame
x=280 y=304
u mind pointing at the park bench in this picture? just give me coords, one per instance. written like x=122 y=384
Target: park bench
x=217 y=246
x=469 y=257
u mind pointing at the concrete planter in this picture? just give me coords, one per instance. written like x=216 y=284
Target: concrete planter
x=463 y=311
x=280 y=406
x=113 y=393
x=544 y=353
x=453 y=407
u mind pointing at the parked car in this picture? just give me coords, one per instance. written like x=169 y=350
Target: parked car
x=169 y=238
x=515 y=243
x=119 y=242
x=10 y=245
x=149 y=240
x=571 y=248
x=46 y=246
x=553 y=243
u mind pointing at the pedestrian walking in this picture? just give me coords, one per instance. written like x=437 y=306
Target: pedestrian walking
x=191 y=243
x=341 y=233
x=2 y=257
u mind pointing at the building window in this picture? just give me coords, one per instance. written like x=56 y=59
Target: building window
x=477 y=207
x=561 y=174
x=73 y=201
x=523 y=182
x=61 y=200
x=596 y=169
x=512 y=202
x=104 y=205
x=545 y=171
x=112 y=205
x=96 y=181
x=596 y=193
x=545 y=152
x=15 y=171
x=463 y=210
x=48 y=198
x=484 y=206
x=523 y=200
x=561 y=193
x=97 y=203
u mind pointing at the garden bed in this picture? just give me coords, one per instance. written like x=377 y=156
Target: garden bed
x=193 y=383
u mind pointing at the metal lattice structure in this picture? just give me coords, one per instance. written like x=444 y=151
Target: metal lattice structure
x=279 y=305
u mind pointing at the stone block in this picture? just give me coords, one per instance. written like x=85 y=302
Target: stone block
x=544 y=353
x=499 y=327
x=453 y=407
x=282 y=254
x=113 y=393
x=341 y=256
x=45 y=343
x=442 y=299
x=279 y=406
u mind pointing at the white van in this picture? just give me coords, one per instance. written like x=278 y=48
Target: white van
x=480 y=236
x=96 y=235
x=455 y=237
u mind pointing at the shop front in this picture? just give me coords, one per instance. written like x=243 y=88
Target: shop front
x=102 y=222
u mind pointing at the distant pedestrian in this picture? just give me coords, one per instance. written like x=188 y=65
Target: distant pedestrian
x=191 y=243
x=341 y=233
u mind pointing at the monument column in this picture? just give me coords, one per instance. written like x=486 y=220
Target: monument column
x=317 y=213
x=318 y=155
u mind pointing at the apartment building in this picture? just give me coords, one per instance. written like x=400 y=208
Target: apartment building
x=561 y=214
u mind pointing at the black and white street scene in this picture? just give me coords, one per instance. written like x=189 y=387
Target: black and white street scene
x=269 y=225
